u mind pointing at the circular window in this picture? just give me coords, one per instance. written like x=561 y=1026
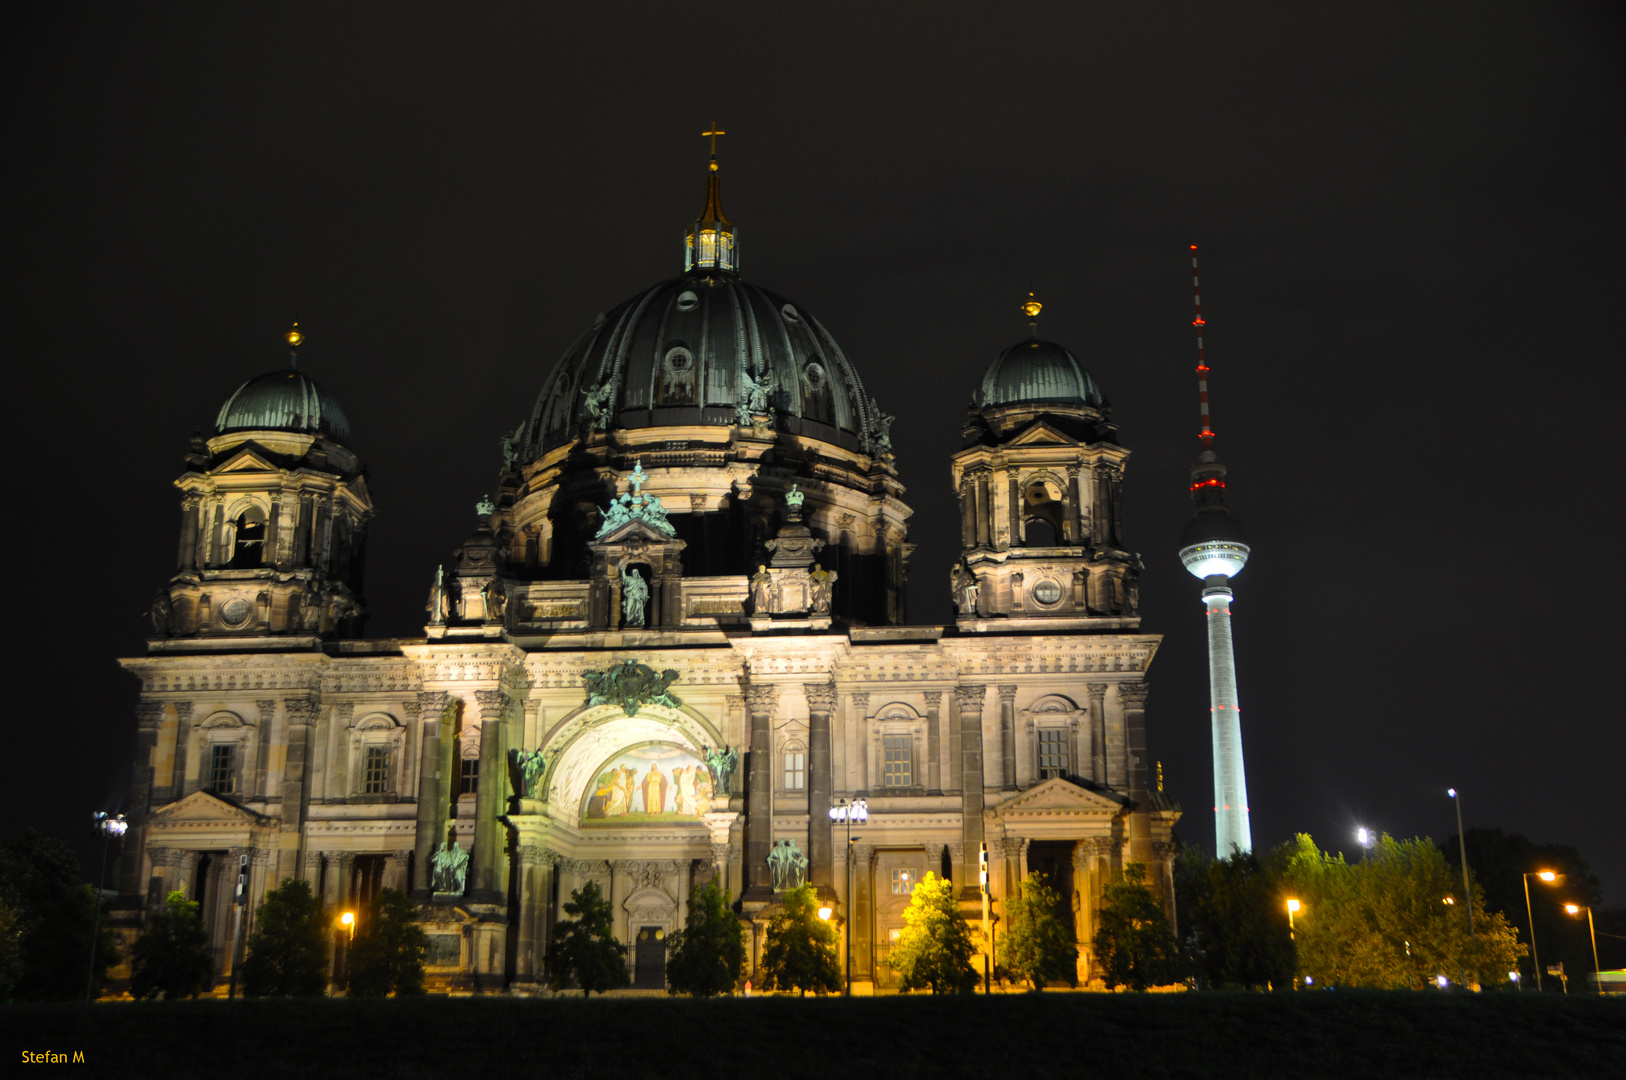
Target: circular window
x=815 y=376
x=1047 y=591
x=236 y=611
x=687 y=301
x=790 y=314
x=679 y=360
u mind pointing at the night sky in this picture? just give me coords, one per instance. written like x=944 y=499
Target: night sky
x=1411 y=227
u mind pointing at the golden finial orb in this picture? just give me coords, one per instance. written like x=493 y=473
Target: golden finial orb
x=295 y=338
x=1032 y=307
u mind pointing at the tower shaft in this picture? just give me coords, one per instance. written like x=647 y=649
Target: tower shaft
x=1231 y=829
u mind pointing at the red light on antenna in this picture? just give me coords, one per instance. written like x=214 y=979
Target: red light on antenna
x=1198 y=322
x=1193 y=247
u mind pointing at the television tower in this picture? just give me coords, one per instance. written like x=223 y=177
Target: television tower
x=1212 y=548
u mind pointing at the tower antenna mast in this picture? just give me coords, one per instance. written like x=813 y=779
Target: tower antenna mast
x=1212 y=548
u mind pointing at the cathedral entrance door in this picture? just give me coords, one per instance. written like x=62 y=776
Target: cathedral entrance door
x=649 y=963
x=1053 y=859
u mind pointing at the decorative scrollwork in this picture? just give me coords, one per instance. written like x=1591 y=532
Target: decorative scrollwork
x=631 y=685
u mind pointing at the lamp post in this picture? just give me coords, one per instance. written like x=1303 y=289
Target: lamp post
x=1535 y=957
x=1467 y=893
x=1364 y=836
x=849 y=811
x=109 y=825
x=341 y=969
x=1597 y=972
x=1292 y=909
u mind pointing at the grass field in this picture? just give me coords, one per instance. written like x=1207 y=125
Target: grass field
x=1375 y=1036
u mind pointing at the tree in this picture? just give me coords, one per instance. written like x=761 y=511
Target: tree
x=41 y=881
x=1040 y=946
x=287 y=953
x=386 y=955
x=1396 y=920
x=1134 y=943
x=800 y=950
x=11 y=950
x=935 y=949
x=171 y=958
x=1236 y=926
x=708 y=954
x=584 y=949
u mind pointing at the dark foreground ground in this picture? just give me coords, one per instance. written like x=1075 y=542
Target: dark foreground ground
x=1370 y=1035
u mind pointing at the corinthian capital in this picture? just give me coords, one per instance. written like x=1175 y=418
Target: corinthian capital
x=821 y=697
x=299 y=710
x=149 y=713
x=492 y=703
x=970 y=698
x=1097 y=690
x=1133 y=695
x=1007 y=694
x=762 y=699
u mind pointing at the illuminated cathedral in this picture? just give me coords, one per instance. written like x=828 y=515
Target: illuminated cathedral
x=673 y=649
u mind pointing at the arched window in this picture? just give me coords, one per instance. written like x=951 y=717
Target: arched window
x=248 y=549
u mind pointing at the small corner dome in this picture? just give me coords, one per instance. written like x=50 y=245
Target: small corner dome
x=1038 y=372
x=285 y=400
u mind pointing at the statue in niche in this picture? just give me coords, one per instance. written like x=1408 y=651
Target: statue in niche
x=450 y=867
x=598 y=405
x=437 y=598
x=964 y=585
x=721 y=764
x=529 y=766
x=160 y=615
x=263 y=603
x=496 y=599
x=787 y=865
x=761 y=591
x=634 y=597
x=823 y=587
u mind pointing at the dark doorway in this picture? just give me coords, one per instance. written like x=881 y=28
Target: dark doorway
x=649 y=965
x=1053 y=860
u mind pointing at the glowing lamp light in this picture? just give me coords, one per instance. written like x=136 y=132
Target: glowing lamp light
x=1513 y=976
x=1573 y=909
x=1364 y=835
x=1441 y=981
x=1451 y=791
x=1293 y=906
x=825 y=912
x=1547 y=875
x=1449 y=900
x=348 y=918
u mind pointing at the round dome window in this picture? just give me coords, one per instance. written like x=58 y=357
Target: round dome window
x=236 y=612
x=1047 y=591
x=679 y=360
x=790 y=313
x=815 y=376
x=687 y=301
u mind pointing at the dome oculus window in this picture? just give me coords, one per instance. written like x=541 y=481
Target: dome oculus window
x=687 y=301
x=679 y=360
x=1047 y=591
x=815 y=376
x=790 y=313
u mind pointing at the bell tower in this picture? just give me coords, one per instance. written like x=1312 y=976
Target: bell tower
x=274 y=520
x=1039 y=479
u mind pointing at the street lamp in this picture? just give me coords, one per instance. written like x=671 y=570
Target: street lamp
x=1575 y=909
x=348 y=920
x=848 y=811
x=825 y=911
x=1292 y=909
x=1535 y=957
x=109 y=825
x=1364 y=837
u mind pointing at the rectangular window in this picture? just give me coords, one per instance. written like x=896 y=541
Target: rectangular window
x=898 y=764
x=469 y=783
x=904 y=880
x=795 y=771
x=222 y=775
x=1052 y=752
x=375 y=775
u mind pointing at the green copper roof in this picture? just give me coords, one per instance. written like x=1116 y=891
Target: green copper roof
x=1038 y=371
x=286 y=400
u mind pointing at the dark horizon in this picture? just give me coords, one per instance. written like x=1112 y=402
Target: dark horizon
x=1410 y=258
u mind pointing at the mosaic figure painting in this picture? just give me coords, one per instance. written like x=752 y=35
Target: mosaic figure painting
x=653 y=783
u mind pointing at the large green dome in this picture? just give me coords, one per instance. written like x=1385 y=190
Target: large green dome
x=285 y=400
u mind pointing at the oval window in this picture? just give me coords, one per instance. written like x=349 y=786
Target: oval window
x=678 y=360
x=236 y=611
x=687 y=301
x=790 y=313
x=1047 y=591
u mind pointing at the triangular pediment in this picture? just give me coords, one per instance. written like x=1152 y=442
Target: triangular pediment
x=1040 y=433
x=206 y=808
x=249 y=458
x=637 y=530
x=1059 y=795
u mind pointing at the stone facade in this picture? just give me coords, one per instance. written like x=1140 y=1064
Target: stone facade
x=664 y=651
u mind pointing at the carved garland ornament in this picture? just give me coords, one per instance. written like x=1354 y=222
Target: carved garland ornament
x=631 y=685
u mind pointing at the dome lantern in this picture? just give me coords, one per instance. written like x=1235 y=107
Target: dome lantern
x=711 y=242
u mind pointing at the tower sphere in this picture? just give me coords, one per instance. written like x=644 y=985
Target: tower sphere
x=1212 y=543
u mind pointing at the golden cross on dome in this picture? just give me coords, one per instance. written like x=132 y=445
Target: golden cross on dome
x=712 y=135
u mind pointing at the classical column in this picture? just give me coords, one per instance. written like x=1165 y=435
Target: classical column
x=1015 y=497
x=759 y=802
x=956 y=854
x=1099 y=526
x=488 y=800
x=934 y=858
x=395 y=869
x=183 y=736
x=821 y=702
x=256 y=785
x=536 y=885
x=984 y=525
x=934 y=742
x=1007 y=737
x=149 y=718
x=187 y=556
x=430 y=833
x=1098 y=731
x=1083 y=905
x=968 y=513
x=301 y=718
x=969 y=700
x=1075 y=499
x=738 y=730
x=1133 y=696
x=856 y=744
x=861 y=925
x=1014 y=849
